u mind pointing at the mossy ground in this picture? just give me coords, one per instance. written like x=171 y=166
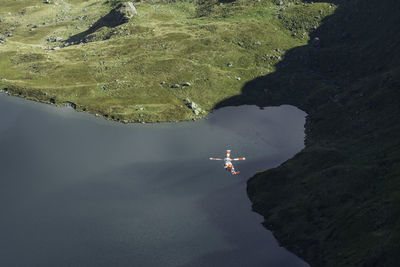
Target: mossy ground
x=114 y=71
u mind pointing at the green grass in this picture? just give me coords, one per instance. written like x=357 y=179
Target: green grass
x=120 y=69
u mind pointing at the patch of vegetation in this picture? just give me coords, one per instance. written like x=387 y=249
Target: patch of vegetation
x=68 y=51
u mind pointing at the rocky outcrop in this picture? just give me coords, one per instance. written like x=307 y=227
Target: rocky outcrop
x=117 y=16
x=193 y=106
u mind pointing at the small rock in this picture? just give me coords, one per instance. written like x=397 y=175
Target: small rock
x=58 y=39
x=238 y=78
x=163 y=82
x=47 y=2
x=140 y=108
x=186 y=84
x=257 y=43
x=240 y=43
x=175 y=85
x=280 y=3
x=56 y=48
x=229 y=64
x=316 y=42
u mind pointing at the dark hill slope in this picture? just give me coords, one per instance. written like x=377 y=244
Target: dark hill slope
x=337 y=203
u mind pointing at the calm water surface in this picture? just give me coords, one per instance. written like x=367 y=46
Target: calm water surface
x=76 y=190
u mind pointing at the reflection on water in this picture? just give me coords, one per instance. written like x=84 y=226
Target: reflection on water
x=76 y=190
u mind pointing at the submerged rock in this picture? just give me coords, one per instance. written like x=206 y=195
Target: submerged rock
x=316 y=42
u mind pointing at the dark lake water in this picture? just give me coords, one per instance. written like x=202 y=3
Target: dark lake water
x=76 y=190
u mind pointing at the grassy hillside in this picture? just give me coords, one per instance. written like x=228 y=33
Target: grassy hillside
x=337 y=203
x=127 y=72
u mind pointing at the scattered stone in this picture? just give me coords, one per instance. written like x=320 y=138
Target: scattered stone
x=240 y=43
x=229 y=64
x=257 y=43
x=47 y=2
x=238 y=78
x=58 y=39
x=163 y=82
x=186 y=84
x=56 y=48
x=175 y=85
x=280 y=3
x=140 y=108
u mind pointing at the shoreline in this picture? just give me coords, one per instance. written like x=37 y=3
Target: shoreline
x=80 y=108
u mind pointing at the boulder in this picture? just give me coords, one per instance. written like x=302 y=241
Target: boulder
x=117 y=16
x=127 y=10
